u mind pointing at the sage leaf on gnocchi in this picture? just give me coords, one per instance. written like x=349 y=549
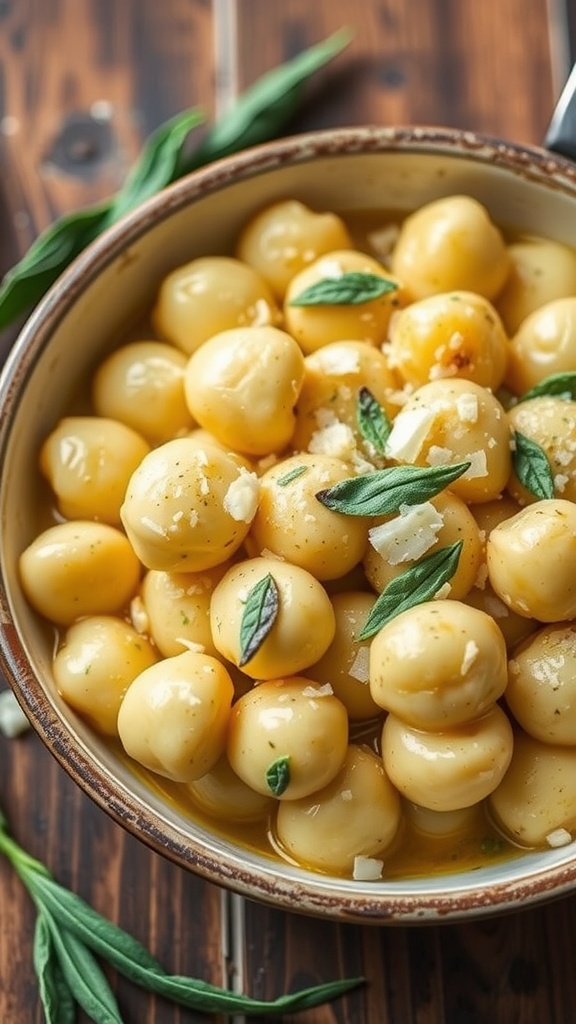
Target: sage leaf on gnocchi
x=71 y=934
x=259 y=615
x=293 y=474
x=348 y=289
x=385 y=490
x=421 y=582
x=373 y=422
x=562 y=385
x=278 y=775
x=532 y=467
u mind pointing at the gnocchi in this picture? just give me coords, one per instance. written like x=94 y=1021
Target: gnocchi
x=298 y=562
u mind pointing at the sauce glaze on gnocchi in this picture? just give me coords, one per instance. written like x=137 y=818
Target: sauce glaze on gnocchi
x=295 y=672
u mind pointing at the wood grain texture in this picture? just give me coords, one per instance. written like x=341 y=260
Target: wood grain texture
x=82 y=82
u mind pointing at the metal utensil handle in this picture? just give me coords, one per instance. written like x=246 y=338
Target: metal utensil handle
x=561 y=134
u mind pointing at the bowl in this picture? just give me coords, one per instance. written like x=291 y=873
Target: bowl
x=364 y=168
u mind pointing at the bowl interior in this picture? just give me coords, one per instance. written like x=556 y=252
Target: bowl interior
x=90 y=309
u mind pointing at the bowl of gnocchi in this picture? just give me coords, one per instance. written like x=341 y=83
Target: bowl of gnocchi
x=288 y=516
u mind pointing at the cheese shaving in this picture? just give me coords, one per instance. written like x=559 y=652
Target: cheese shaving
x=367 y=869
x=241 y=498
x=408 y=535
x=409 y=431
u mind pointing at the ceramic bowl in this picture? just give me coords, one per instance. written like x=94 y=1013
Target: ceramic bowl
x=96 y=300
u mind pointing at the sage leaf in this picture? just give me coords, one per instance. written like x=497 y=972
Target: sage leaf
x=531 y=466
x=267 y=105
x=57 y=1000
x=278 y=775
x=74 y=924
x=158 y=164
x=292 y=474
x=84 y=977
x=350 y=289
x=421 y=582
x=258 y=617
x=373 y=422
x=385 y=490
x=560 y=385
x=259 y=115
x=25 y=283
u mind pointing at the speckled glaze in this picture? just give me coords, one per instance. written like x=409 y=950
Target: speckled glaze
x=348 y=169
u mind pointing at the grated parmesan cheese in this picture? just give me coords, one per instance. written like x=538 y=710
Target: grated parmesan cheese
x=359 y=669
x=337 y=360
x=467 y=407
x=318 y=691
x=409 y=431
x=559 y=837
x=409 y=535
x=471 y=652
x=241 y=498
x=367 y=869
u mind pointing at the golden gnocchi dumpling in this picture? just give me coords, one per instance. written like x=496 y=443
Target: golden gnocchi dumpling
x=550 y=422
x=98 y=659
x=174 y=716
x=176 y=608
x=242 y=386
x=208 y=295
x=544 y=344
x=541 y=270
x=187 y=508
x=452 y=421
x=535 y=803
x=451 y=769
x=438 y=665
x=345 y=664
x=397 y=542
x=288 y=737
x=531 y=560
x=541 y=691
x=347 y=826
x=223 y=795
x=514 y=627
x=329 y=402
x=285 y=237
x=453 y=334
x=448 y=244
x=298 y=625
x=79 y=568
x=142 y=385
x=88 y=461
x=294 y=525
x=348 y=313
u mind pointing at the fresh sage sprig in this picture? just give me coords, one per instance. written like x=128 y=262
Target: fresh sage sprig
x=531 y=466
x=385 y=490
x=70 y=936
x=260 y=114
x=349 y=289
x=421 y=582
x=373 y=422
x=278 y=775
x=558 y=385
x=258 y=617
x=291 y=475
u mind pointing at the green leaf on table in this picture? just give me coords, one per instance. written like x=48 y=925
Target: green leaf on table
x=57 y=1000
x=385 y=490
x=267 y=105
x=531 y=466
x=373 y=422
x=349 y=289
x=84 y=977
x=421 y=582
x=158 y=165
x=258 y=617
x=559 y=385
x=258 y=115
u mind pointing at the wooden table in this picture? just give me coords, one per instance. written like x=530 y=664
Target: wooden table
x=82 y=83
